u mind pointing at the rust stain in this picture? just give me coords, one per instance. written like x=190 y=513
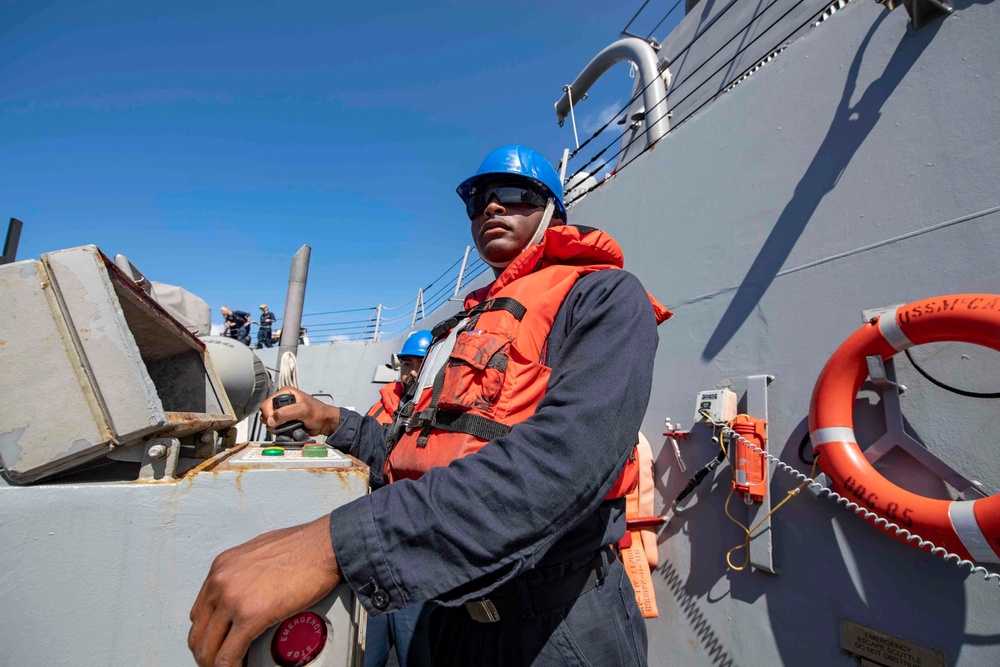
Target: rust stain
x=3 y=342
x=345 y=476
x=212 y=464
x=239 y=481
x=83 y=331
x=148 y=304
x=155 y=481
x=189 y=423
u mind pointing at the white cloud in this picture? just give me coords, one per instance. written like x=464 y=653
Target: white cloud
x=592 y=122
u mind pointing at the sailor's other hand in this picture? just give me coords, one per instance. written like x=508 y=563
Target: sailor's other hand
x=258 y=584
x=318 y=417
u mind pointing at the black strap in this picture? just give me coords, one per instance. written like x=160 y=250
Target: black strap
x=549 y=595
x=584 y=229
x=381 y=409
x=398 y=426
x=506 y=303
x=441 y=329
x=512 y=306
x=474 y=425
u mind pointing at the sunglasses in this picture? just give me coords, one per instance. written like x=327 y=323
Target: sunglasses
x=505 y=194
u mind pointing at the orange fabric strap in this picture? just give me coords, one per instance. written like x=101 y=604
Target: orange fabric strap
x=638 y=548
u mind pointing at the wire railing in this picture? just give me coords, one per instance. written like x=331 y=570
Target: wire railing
x=613 y=165
x=383 y=321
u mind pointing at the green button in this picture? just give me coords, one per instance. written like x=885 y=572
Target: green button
x=273 y=451
x=314 y=451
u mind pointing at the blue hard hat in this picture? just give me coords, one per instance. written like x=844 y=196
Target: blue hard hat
x=520 y=161
x=416 y=344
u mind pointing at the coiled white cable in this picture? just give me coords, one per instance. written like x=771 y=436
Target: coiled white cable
x=867 y=514
x=288 y=371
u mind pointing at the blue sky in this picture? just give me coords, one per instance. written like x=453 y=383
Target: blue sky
x=207 y=141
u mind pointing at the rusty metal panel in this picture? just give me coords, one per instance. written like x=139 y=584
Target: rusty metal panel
x=91 y=362
x=49 y=414
x=108 y=348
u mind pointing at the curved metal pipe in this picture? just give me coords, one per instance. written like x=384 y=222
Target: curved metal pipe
x=642 y=54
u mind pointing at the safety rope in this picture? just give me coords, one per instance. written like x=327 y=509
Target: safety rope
x=288 y=371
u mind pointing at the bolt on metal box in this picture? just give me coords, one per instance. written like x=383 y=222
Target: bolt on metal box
x=91 y=362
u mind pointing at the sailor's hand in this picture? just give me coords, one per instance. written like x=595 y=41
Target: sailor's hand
x=258 y=584
x=318 y=417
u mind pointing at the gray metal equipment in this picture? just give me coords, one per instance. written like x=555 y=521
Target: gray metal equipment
x=105 y=388
x=93 y=365
x=243 y=374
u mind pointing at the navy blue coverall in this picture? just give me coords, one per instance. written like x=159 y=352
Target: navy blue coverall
x=264 y=332
x=238 y=326
x=525 y=510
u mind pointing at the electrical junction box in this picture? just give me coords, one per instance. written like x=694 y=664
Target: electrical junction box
x=720 y=404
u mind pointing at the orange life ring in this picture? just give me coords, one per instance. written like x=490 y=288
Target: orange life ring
x=971 y=528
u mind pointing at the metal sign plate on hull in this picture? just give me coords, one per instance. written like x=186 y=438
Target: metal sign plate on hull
x=883 y=649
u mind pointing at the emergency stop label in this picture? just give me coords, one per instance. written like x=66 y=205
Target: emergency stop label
x=885 y=649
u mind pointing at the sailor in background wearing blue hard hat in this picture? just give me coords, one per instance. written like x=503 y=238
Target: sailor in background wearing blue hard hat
x=511 y=537
x=405 y=629
x=411 y=357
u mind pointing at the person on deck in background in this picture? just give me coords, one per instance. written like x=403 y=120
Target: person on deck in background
x=406 y=628
x=237 y=325
x=514 y=455
x=267 y=318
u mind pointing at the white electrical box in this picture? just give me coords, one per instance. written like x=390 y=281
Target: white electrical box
x=720 y=404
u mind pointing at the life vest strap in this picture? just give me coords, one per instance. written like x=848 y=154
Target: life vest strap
x=511 y=305
x=471 y=424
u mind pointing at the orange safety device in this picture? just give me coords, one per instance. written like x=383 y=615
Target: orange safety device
x=750 y=476
x=637 y=549
x=968 y=528
x=388 y=403
x=496 y=373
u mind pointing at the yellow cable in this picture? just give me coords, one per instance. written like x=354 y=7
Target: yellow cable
x=750 y=531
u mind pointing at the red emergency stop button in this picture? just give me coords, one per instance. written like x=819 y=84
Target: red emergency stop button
x=299 y=640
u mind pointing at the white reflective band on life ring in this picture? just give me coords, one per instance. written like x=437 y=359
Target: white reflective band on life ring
x=821 y=436
x=893 y=335
x=963 y=520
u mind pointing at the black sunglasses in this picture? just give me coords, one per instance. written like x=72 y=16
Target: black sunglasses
x=505 y=194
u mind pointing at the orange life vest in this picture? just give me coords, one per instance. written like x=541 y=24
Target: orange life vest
x=496 y=373
x=388 y=403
